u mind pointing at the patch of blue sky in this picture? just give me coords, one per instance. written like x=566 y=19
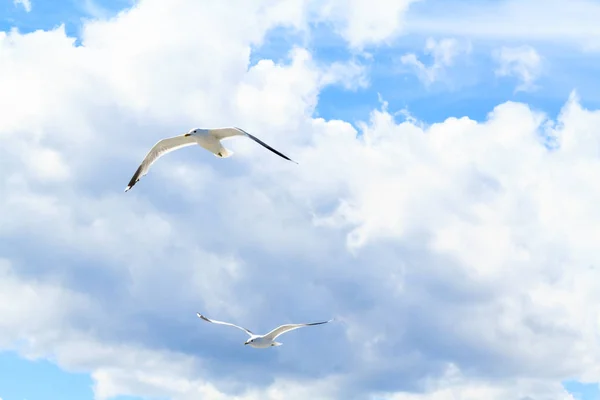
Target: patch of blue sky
x=583 y=391
x=469 y=87
x=276 y=45
x=22 y=379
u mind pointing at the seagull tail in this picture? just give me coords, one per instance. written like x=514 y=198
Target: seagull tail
x=275 y=344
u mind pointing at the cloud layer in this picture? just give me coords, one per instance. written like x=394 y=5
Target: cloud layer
x=459 y=257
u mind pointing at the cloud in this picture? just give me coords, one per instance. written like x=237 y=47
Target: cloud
x=94 y=9
x=458 y=256
x=352 y=75
x=443 y=52
x=25 y=3
x=362 y=23
x=574 y=22
x=522 y=62
x=454 y=386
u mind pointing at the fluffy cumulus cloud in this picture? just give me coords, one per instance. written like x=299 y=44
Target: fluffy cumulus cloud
x=522 y=62
x=460 y=258
x=363 y=23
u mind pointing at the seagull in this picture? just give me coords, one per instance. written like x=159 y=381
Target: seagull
x=264 y=341
x=210 y=139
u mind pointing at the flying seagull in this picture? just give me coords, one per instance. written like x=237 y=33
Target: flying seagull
x=264 y=341
x=210 y=139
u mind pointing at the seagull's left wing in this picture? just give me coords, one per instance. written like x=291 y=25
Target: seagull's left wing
x=224 y=133
x=214 y=321
x=161 y=148
x=290 y=327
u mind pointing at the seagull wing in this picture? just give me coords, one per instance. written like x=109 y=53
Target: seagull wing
x=224 y=133
x=224 y=323
x=289 y=327
x=161 y=148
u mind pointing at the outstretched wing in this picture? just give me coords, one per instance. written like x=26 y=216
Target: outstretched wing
x=289 y=327
x=161 y=148
x=223 y=323
x=224 y=133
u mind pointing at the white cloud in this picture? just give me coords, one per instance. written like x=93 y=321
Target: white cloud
x=46 y=164
x=94 y=9
x=522 y=62
x=461 y=220
x=443 y=52
x=574 y=22
x=351 y=75
x=453 y=386
x=42 y=308
x=363 y=23
x=25 y=3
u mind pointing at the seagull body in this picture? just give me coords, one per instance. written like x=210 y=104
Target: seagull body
x=264 y=341
x=209 y=139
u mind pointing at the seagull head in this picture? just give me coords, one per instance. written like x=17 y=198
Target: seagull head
x=195 y=131
x=248 y=341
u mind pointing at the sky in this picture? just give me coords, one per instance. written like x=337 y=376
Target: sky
x=444 y=208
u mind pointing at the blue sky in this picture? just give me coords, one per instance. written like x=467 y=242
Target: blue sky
x=41 y=379
x=18 y=375
x=121 y=278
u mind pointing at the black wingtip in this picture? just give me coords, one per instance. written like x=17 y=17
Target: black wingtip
x=319 y=323
x=134 y=179
x=257 y=140
x=202 y=317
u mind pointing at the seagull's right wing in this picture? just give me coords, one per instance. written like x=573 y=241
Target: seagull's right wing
x=290 y=327
x=225 y=133
x=223 y=323
x=161 y=148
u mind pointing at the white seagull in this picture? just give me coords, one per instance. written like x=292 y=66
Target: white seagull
x=210 y=139
x=268 y=340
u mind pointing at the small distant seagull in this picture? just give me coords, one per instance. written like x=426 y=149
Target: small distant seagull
x=264 y=341
x=210 y=139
